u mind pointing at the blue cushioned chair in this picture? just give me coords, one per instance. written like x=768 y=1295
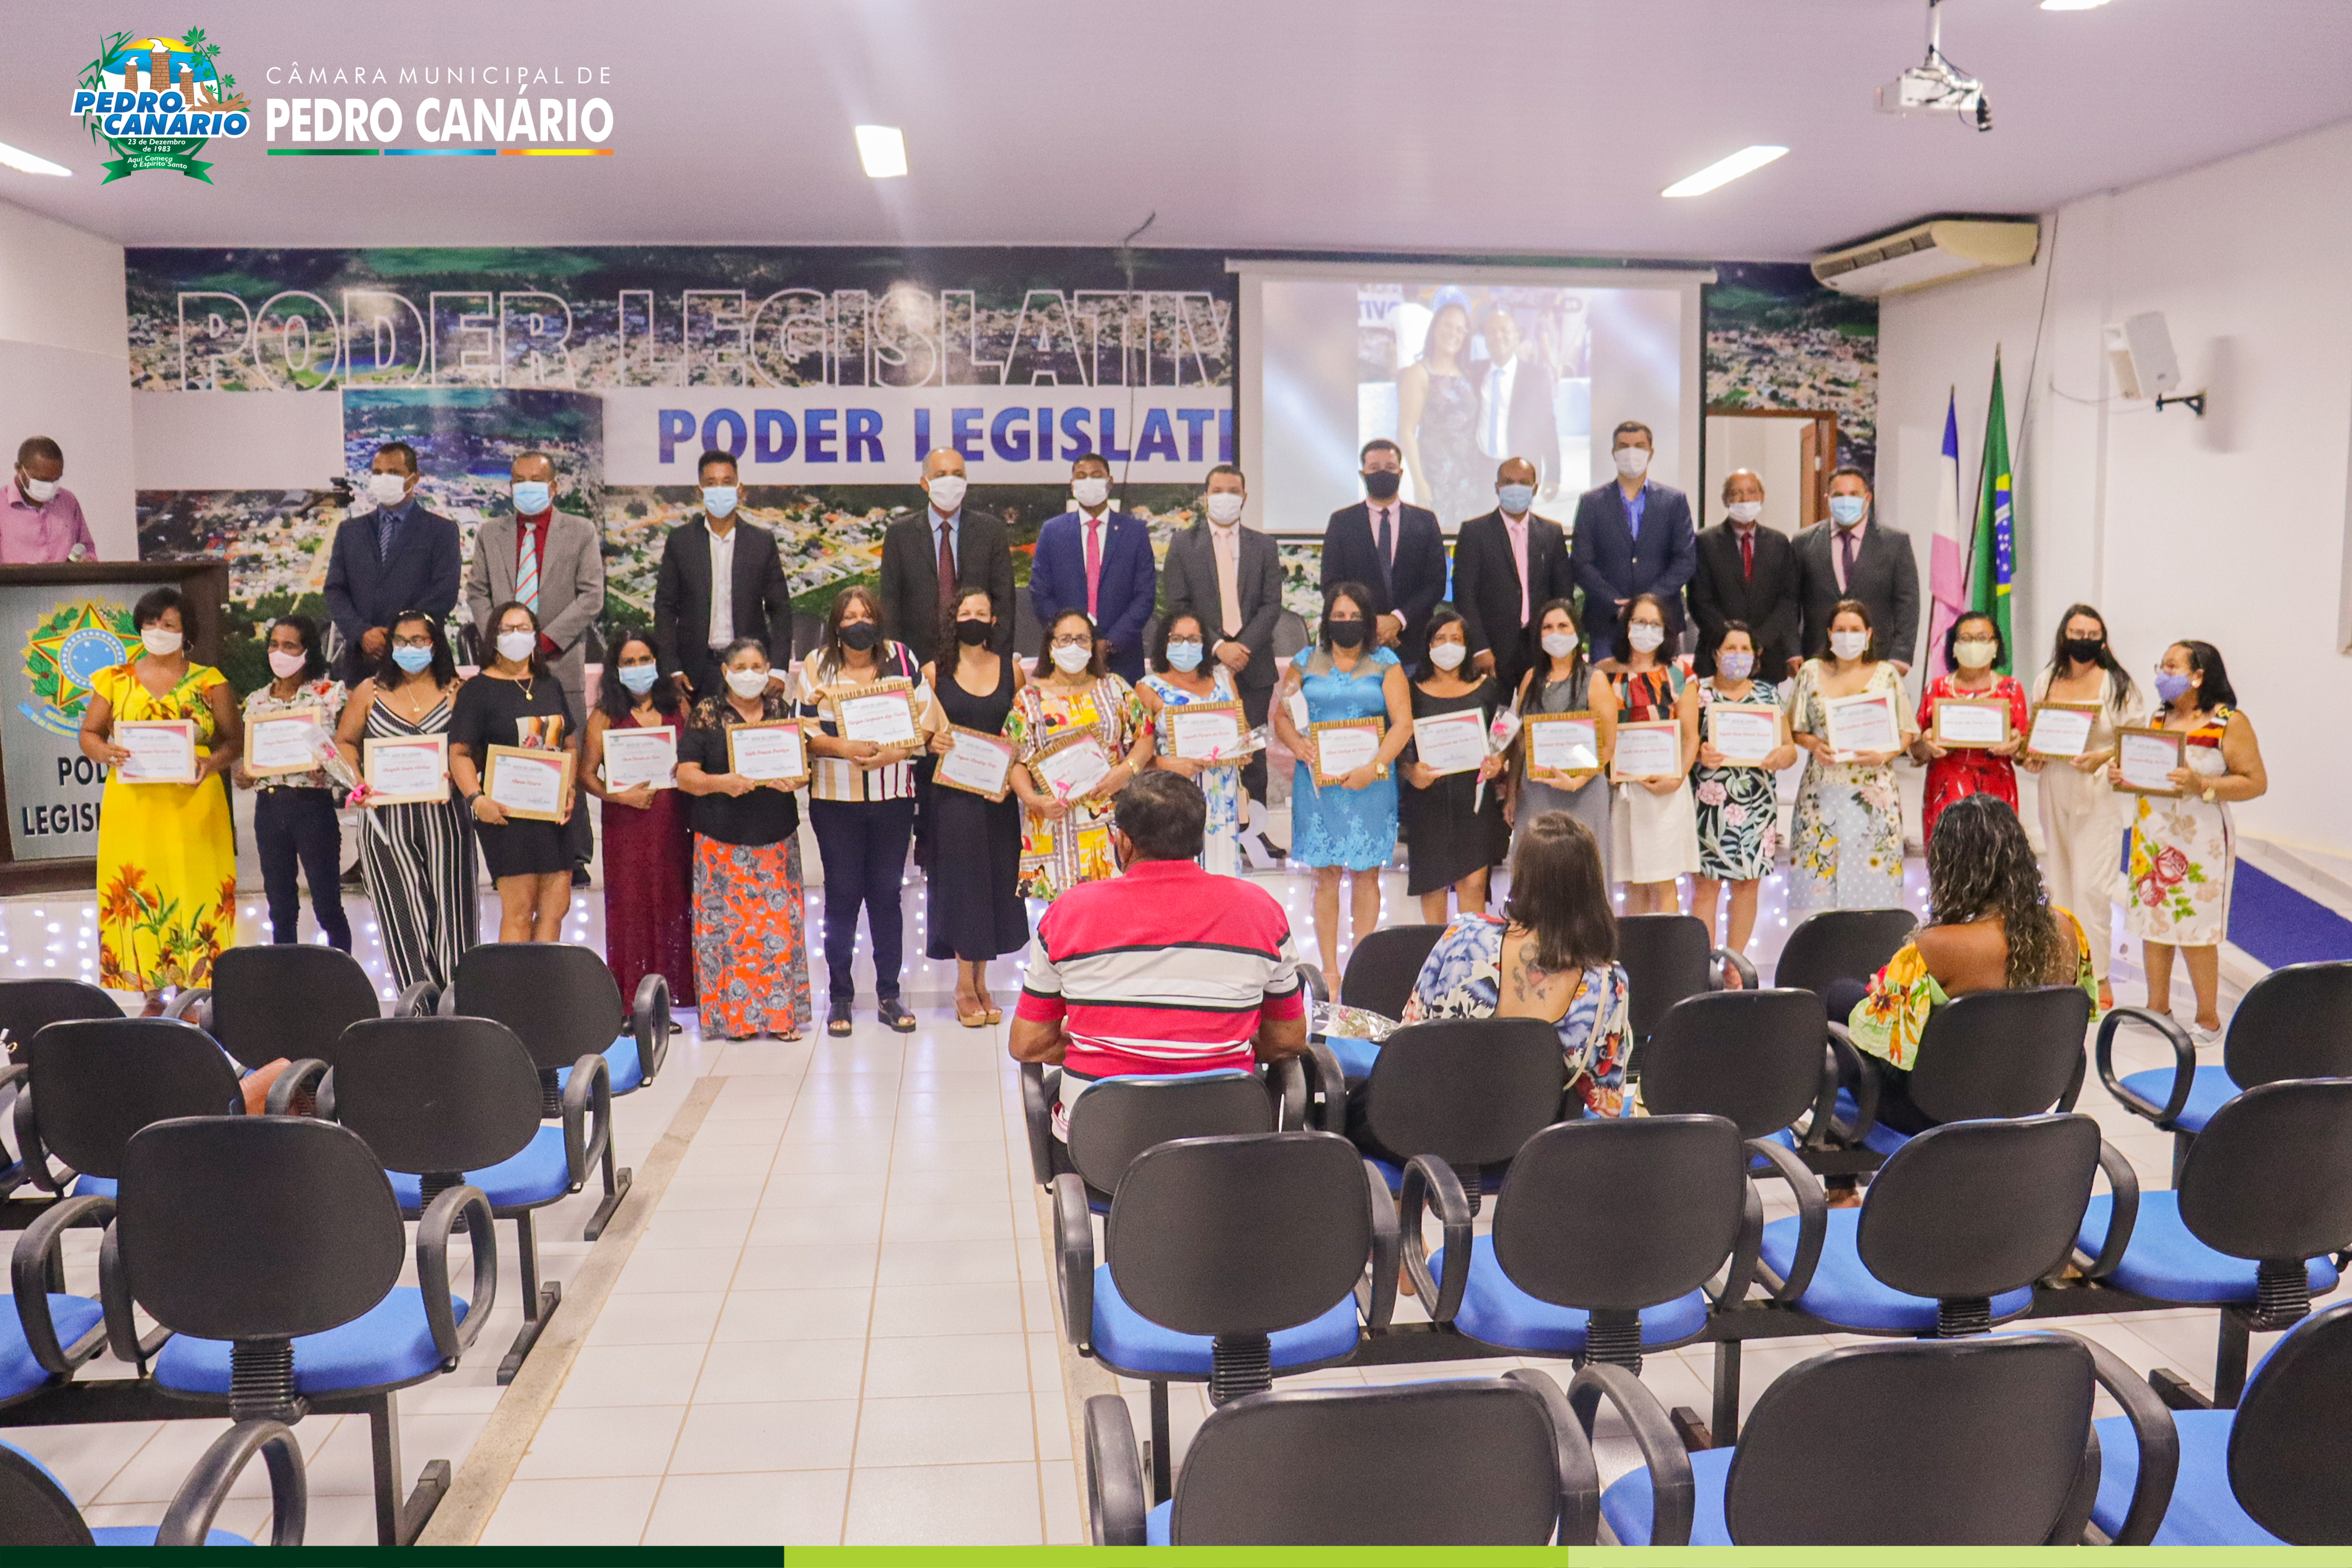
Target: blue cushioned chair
x=26 y=1008
x=1229 y=1262
x=92 y=1083
x=285 y=1001
x=1841 y=944
x=36 y=1510
x=2295 y=1021
x=1669 y=957
x=1976 y=1442
x=48 y=1334
x=1755 y=1058
x=1382 y=967
x=1468 y=1093
x=1494 y=1462
x=1118 y=1118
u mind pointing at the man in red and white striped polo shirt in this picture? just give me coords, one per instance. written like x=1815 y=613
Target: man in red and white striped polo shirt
x=1162 y=969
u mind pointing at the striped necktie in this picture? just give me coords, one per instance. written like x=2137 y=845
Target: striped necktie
x=527 y=567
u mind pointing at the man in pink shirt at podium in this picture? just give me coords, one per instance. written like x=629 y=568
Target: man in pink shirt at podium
x=40 y=521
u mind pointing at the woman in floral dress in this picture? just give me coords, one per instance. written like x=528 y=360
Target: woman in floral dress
x=1974 y=647
x=1183 y=673
x=1738 y=804
x=1066 y=842
x=1848 y=833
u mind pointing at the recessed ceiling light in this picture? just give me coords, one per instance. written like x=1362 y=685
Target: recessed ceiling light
x=1746 y=161
x=2072 y=4
x=17 y=158
x=883 y=149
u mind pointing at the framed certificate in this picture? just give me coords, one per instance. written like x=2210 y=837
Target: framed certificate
x=1863 y=722
x=1646 y=749
x=1562 y=743
x=1971 y=722
x=1209 y=733
x=528 y=782
x=2061 y=730
x=1744 y=732
x=162 y=751
x=285 y=742
x=1069 y=768
x=1451 y=742
x=1343 y=745
x=883 y=713
x=976 y=762
x=774 y=752
x=641 y=756
x=2146 y=756
x=406 y=769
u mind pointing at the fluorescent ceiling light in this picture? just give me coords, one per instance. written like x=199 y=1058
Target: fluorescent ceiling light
x=2072 y=4
x=17 y=158
x=1746 y=161
x=883 y=149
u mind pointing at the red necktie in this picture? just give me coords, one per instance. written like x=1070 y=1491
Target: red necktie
x=1747 y=554
x=1093 y=565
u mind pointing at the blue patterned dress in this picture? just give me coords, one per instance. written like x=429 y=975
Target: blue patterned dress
x=1221 y=843
x=1355 y=828
x=1460 y=980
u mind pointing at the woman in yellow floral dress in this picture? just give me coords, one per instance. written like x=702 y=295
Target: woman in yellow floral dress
x=166 y=864
x=1066 y=842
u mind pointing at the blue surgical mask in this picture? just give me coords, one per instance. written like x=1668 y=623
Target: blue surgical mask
x=1847 y=510
x=2169 y=687
x=1516 y=499
x=1184 y=656
x=639 y=678
x=719 y=501
x=412 y=659
x=1734 y=665
x=532 y=497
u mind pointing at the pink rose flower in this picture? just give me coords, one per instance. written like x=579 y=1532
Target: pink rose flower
x=2171 y=864
x=1711 y=792
x=1734 y=816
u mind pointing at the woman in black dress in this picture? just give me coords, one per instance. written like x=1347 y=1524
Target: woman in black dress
x=1453 y=835
x=518 y=701
x=975 y=913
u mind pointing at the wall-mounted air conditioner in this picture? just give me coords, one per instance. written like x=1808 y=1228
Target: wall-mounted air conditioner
x=1929 y=253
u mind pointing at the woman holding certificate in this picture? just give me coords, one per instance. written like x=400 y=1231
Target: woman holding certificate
x=751 y=942
x=1079 y=733
x=2083 y=699
x=291 y=764
x=1343 y=796
x=973 y=907
x=1182 y=675
x=520 y=805
x=1656 y=820
x=629 y=761
x=1559 y=685
x=417 y=849
x=1971 y=722
x=1452 y=813
x=1847 y=712
x=163 y=727
x=1746 y=744
x=2184 y=849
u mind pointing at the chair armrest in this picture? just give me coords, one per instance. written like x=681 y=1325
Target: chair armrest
x=1579 y=1478
x=1117 y=1505
x=1745 y=1250
x=31 y=1152
x=32 y=1268
x=1716 y=957
x=2123 y=1183
x=1329 y=1080
x=650 y=1022
x=1378 y=1306
x=1812 y=1215
x=190 y=1517
x=306 y=1074
x=115 y=1297
x=1287 y=1078
x=417 y=1001
x=1817 y=1130
x=451 y=1338
x=2158 y=1439
x=1074 y=1259
x=590 y=1087
x=195 y=1007
x=2184 y=1064
x=1674 y=1495
x=1037 y=1114
x=1317 y=988
x=1425 y=1176
x=1853 y=1067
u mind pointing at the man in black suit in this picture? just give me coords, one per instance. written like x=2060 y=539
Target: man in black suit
x=1516 y=416
x=1394 y=549
x=1632 y=537
x=918 y=596
x=1507 y=565
x=1231 y=577
x=397 y=557
x=1748 y=572
x=1852 y=557
x=694 y=617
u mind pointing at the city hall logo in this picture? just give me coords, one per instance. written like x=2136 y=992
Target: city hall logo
x=156 y=102
x=63 y=657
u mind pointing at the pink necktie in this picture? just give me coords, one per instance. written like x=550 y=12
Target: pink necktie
x=1093 y=565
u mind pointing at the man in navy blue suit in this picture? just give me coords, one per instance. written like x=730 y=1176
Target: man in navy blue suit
x=397 y=557
x=1393 y=549
x=1099 y=561
x=1632 y=537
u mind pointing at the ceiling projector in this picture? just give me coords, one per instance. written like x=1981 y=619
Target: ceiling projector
x=1937 y=86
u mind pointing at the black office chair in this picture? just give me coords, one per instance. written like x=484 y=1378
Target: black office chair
x=1493 y=1462
x=26 y=1008
x=1667 y=958
x=1841 y=944
x=1118 y=1118
x=37 y=1511
x=1989 y=1055
x=1755 y=1058
x=92 y=1083
x=1469 y=1092
x=51 y=1334
x=1383 y=966
x=289 y=1001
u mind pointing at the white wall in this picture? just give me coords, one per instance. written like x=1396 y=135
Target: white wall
x=65 y=365
x=2232 y=529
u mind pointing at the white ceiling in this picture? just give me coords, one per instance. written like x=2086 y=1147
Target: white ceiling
x=1513 y=127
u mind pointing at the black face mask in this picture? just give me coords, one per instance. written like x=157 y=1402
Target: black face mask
x=860 y=636
x=1347 y=634
x=2085 y=650
x=1382 y=484
x=972 y=634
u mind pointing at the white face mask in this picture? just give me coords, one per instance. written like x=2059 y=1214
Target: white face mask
x=1447 y=655
x=1974 y=652
x=1645 y=637
x=1633 y=462
x=1224 y=507
x=286 y=666
x=1849 y=646
x=387 y=490
x=160 y=642
x=1560 y=645
x=1069 y=660
x=38 y=492
x=946 y=493
x=517 y=646
x=1090 y=491
x=747 y=683
x=1745 y=511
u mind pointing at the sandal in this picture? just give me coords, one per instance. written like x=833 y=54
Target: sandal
x=895 y=1016
x=977 y=1018
x=837 y=1022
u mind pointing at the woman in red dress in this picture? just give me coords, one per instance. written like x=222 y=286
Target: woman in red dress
x=648 y=849
x=1972 y=652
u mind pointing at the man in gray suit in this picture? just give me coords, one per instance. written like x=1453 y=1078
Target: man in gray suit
x=1852 y=556
x=552 y=562
x=1230 y=578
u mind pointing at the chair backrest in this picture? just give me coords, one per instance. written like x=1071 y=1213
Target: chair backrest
x=1977 y=1208
x=1472 y=1463
x=1841 y=944
x=28 y=1007
x=1242 y=1235
x=1382 y=968
x=1468 y=1090
x=1754 y=1057
x=1119 y=1118
x=2001 y=1053
x=2291 y=1443
x=2294 y=1022
x=1666 y=960
x=560 y=1001
x=2271 y=1175
x=436 y=1096
x=1974 y=1442
x=248 y=1227
x=35 y=1509
x=97 y=1081
x=288 y=1000
x=1622 y=1213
